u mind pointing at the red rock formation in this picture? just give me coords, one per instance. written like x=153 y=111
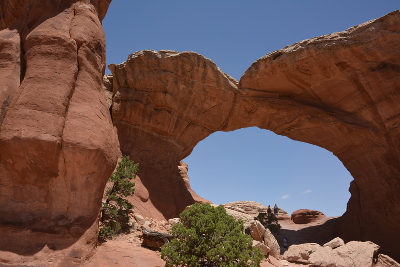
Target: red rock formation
x=57 y=143
x=304 y=216
x=165 y=103
x=339 y=91
x=58 y=147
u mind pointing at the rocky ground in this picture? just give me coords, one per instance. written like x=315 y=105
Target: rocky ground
x=126 y=250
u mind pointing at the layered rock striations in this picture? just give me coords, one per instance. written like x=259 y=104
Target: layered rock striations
x=164 y=104
x=57 y=142
x=339 y=91
x=58 y=145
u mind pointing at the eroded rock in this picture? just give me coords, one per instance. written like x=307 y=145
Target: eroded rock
x=304 y=216
x=338 y=91
x=57 y=142
x=334 y=243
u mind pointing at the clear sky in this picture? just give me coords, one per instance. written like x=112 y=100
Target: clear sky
x=247 y=164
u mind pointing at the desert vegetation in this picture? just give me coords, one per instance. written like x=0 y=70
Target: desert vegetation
x=208 y=236
x=115 y=209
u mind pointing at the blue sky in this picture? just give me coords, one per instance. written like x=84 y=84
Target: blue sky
x=247 y=164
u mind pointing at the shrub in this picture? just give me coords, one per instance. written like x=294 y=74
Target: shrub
x=115 y=209
x=208 y=236
x=269 y=221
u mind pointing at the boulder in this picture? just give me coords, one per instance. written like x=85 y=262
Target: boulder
x=263 y=247
x=174 y=221
x=334 y=243
x=304 y=216
x=139 y=219
x=272 y=243
x=300 y=253
x=386 y=261
x=361 y=253
x=257 y=231
x=352 y=254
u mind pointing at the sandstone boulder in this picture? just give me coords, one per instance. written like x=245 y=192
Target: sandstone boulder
x=263 y=247
x=304 y=216
x=300 y=253
x=174 y=221
x=257 y=231
x=334 y=243
x=386 y=261
x=352 y=254
x=272 y=243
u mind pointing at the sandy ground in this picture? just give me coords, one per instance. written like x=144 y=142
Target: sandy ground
x=127 y=250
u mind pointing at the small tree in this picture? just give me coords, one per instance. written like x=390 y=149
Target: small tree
x=208 y=236
x=115 y=209
x=269 y=221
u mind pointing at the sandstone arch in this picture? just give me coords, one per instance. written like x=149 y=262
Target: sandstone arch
x=339 y=91
x=48 y=161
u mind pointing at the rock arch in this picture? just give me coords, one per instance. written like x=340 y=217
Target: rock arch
x=339 y=91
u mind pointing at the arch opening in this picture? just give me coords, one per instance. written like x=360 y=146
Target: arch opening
x=252 y=164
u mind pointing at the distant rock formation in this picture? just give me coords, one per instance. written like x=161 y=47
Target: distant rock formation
x=304 y=216
x=251 y=207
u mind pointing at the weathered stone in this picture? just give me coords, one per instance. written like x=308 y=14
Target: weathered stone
x=353 y=254
x=386 y=261
x=174 y=221
x=139 y=219
x=251 y=207
x=336 y=91
x=334 y=243
x=57 y=142
x=263 y=247
x=300 y=253
x=331 y=91
x=272 y=243
x=247 y=219
x=257 y=231
x=303 y=216
x=169 y=103
x=361 y=253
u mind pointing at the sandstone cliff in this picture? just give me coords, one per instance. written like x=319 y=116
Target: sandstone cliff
x=57 y=142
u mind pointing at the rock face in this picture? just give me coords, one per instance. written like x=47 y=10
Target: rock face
x=337 y=91
x=57 y=142
x=352 y=254
x=164 y=104
x=251 y=207
x=304 y=216
x=58 y=146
